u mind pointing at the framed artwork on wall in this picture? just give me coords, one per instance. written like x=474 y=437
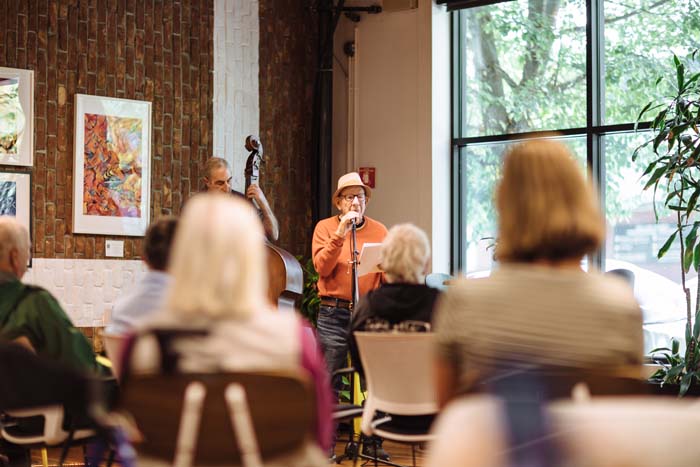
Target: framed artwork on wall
x=112 y=166
x=16 y=116
x=15 y=197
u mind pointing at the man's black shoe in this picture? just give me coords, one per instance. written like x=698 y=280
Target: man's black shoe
x=372 y=447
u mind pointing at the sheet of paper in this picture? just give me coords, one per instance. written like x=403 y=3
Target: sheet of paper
x=369 y=259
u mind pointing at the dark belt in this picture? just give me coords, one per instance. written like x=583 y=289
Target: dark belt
x=335 y=302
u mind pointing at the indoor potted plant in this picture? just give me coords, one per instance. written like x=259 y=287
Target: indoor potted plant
x=676 y=167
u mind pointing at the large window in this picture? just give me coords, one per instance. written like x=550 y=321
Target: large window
x=583 y=69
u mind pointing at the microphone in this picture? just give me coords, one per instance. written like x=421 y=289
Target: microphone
x=354 y=223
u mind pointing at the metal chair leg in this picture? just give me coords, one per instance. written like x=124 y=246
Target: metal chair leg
x=66 y=447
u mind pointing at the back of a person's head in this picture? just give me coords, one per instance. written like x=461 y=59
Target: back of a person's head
x=547 y=210
x=12 y=235
x=405 y=254
x=158 y=242
x=217 y=261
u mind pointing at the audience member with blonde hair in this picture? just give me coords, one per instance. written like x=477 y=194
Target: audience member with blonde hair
x=218 y=287
x=405 y=258
x=539 y=308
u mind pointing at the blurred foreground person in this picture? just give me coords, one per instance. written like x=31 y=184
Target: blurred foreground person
x=652 y=431
x=539 y=308
x=218 y=297
x=404 y=302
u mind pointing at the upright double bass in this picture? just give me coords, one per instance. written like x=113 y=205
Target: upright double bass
x=285 y=276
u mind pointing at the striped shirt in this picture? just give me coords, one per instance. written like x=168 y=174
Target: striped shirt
x=526 y=314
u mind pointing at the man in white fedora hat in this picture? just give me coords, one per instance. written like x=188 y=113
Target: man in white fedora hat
x=331 y=252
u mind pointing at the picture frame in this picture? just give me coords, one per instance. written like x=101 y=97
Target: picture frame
x=16 y=198
x=112 y=166
x=16 y=117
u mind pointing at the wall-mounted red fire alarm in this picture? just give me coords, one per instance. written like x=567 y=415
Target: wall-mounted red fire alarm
x=367 y=175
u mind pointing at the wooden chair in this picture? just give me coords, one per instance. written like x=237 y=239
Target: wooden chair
x=219 y=418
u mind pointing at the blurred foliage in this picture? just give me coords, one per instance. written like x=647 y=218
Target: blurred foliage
x=310 y=301
x=523 y=68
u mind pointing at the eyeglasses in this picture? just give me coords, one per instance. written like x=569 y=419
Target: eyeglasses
x=350 y=198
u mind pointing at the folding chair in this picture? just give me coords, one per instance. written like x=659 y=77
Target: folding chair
x=399 y=374
x=194 y=418
x=44 y=404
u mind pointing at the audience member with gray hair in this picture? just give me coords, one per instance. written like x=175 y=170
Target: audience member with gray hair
x=30 y=315
x=405 y=259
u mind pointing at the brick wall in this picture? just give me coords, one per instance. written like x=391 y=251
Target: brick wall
x=288 y=44
x=135 y=49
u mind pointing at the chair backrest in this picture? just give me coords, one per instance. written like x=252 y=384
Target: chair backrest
x=28 y=380
x=33 y=386
x=399 y=371
x=564 y=383
x=281 y=406
x=114 y=346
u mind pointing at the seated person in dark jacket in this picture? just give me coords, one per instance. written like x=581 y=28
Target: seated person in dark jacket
x=404 y=299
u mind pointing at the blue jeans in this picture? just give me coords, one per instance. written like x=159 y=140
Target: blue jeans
x=333 y=326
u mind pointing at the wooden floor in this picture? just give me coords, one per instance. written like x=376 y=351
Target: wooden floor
x=400 y=454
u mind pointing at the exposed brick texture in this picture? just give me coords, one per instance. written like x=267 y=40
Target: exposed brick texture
x=153 y=50
x=288 y=51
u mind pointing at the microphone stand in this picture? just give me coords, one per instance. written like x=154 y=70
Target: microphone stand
x=354 y=260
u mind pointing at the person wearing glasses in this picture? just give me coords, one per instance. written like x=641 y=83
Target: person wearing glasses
x=330 y=249
x=217 y=177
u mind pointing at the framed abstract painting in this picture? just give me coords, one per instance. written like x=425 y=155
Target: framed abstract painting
x=16 y=116
x=112 y=167
x=15 y=196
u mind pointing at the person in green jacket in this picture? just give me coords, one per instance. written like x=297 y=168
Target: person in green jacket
x=30 y=315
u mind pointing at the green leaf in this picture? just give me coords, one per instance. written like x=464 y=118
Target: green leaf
x=696 y=258
x=649 y=168
x=664 y=249
x=685 y=384
x=660 y=138
x=674 y=372
x=655 y=177
x=675 y=345
x=680 y=72
x=659 y=349
x=687 y=259
x=658 y=121
x=646 y=107
x=696 y=329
